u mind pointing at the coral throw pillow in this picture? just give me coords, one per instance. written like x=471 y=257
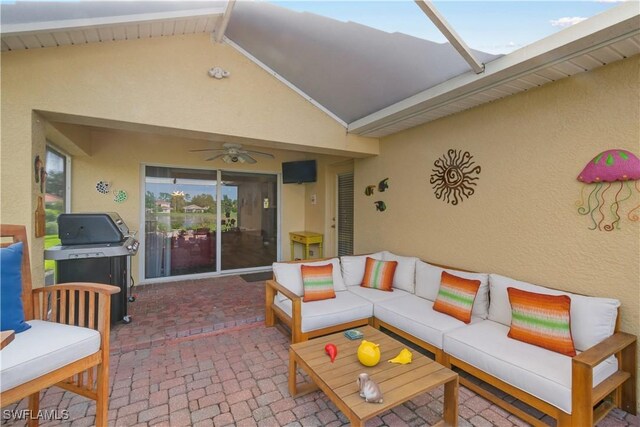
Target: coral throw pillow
x=456 y=296
x=317 y=281
x=541 y=320
x=379 y=274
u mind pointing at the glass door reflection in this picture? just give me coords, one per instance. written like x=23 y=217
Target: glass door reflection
x=180 y=221
x=248 y=223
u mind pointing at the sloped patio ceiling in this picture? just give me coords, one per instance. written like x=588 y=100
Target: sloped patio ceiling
x=350 y=69
x=372 y=82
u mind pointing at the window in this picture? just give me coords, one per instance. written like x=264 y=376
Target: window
x=56 y=200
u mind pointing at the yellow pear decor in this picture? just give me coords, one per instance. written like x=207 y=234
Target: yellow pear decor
x=368 y=353
x=403 y=357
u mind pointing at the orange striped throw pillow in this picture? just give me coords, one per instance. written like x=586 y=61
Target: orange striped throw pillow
x=317 y=281
x=541 y=320
x=456 y=296
x=379 y=274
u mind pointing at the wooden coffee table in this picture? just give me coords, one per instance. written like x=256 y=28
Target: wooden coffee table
x=399 y=383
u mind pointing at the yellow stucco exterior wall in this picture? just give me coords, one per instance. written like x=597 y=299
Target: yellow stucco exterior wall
x=160 y=82
x=117 y=157
x=522 y=221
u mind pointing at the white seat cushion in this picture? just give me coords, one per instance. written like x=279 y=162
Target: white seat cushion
x=428 y=278
x=376 y=295
x=416 y=316
x=592 y=319
x=345 y=307
x=43 y=348
x=540 y=372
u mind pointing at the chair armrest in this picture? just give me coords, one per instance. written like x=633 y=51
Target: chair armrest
x=81 y=286
x=284 y=291
x=610 y=346
x=296 y=308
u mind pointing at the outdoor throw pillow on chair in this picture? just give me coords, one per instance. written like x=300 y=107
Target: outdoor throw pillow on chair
x=541 y=320
x=317 y=282
x=456 y=296
x=11 y=310
x=379 y=274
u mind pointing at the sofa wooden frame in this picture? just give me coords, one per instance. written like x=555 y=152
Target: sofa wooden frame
x=81 y=304
x=294 y=322
x=589 y=404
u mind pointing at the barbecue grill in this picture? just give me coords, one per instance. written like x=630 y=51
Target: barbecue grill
x=96 y=247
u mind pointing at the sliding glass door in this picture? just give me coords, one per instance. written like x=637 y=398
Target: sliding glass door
x=188 y=232
x=249 y=220
x=180 y=221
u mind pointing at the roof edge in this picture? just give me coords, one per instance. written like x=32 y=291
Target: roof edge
x=72 y=24
x=606 y=28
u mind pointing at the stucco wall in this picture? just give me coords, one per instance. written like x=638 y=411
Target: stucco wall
x=159 y=82
x=117 y=157
x=522 y=220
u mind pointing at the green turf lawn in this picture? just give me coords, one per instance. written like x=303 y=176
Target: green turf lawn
x=50 y=240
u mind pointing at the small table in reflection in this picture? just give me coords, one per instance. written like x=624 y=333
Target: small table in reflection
x=306 y=238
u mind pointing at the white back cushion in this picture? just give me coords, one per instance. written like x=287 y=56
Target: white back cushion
x=289 y=275
x=592 y=319
x=353 y=267
x=428 y=279
x=405 y=275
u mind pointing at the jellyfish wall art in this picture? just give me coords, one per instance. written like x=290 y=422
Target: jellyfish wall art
x=610 y=179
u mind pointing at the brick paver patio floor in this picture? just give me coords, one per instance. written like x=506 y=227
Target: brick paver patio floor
x=197 y=353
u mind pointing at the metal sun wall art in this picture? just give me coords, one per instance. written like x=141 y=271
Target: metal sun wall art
x=609 y=176
x=453 y=176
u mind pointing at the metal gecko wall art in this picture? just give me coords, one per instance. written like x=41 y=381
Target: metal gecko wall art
x=454 y=177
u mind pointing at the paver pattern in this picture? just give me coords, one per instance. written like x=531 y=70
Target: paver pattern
x=198 y=354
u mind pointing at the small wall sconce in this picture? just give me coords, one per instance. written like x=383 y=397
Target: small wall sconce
x=218 y=73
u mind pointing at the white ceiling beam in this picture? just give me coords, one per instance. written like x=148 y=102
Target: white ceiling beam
x=285 y=81
x=222 y=27
x=79 y=24
x=447 y=30
x=618 y=23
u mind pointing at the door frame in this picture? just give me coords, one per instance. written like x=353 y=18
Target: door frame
x=331 y=212
x=218 y=273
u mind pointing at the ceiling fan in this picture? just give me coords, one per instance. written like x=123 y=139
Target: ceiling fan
x=234 y=153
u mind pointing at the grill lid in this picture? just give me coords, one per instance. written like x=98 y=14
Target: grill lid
x=91 y=228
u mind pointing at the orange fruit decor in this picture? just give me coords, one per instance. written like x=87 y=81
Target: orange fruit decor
x=368 y=353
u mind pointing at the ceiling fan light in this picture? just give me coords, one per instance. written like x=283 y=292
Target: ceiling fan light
x=241 y=159
x=227 y=158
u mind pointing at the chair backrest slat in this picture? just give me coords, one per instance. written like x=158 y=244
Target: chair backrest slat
x=18 y=233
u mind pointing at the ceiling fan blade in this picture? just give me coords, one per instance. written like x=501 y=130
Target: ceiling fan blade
x=248 y=158
x=215 y=157
x=260 y=153
x=207 y=149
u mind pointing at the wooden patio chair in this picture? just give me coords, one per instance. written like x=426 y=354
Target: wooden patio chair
x=67 y=344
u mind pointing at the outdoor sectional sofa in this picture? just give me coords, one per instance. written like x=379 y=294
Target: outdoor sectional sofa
x=575 y=391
